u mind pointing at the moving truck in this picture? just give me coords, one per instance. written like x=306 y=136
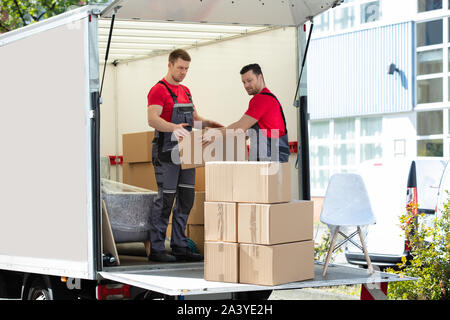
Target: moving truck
x=51 y=86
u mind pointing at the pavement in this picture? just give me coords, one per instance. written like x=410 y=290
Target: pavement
x=315 y=293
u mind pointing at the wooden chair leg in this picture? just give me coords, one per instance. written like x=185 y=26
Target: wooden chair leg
x=366 y=255
x=147 y=247
x=330 y=251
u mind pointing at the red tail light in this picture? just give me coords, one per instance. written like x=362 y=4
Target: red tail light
x=407 y=245
x=113 y=291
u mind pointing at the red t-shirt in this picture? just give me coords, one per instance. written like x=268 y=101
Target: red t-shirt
x=160 y=96
x=266 y=110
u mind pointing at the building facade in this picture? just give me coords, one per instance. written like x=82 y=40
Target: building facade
x=378 y=84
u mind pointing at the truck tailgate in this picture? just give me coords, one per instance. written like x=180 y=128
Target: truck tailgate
x=187 y=279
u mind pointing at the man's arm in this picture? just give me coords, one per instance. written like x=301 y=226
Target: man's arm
x=205 y=122
x=245 y=123
x=155 y=121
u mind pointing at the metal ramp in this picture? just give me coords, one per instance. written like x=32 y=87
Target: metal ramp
x=187 y=279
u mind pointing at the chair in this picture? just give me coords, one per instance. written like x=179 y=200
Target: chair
x=346 y=204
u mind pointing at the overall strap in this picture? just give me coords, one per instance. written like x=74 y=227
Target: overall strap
x=173 y=95
x=281 y=109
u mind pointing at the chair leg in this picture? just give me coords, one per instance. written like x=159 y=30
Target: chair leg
x=330 y=251
x=147 y=247
x=366 y=255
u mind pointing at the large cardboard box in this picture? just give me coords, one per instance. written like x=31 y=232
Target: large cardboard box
x=137 y=147
x=275 y=223
x=140 y=174
x=143 y=175
x=248 y=181
x=276 y=264
x=225 y=145
x=197 y=234
x=221 y=261
x=221 y=221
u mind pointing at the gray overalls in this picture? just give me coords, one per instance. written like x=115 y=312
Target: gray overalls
x=172 y=182
x=261 y=147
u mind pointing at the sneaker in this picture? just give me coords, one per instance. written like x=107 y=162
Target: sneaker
x=185 y=254
x=161 y=257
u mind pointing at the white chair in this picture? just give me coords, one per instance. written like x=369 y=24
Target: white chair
x=346 y=204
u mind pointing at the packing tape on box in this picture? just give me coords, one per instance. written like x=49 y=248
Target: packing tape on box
x=253 y=223
x=220 y=217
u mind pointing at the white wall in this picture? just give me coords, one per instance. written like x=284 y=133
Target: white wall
x=399 y=128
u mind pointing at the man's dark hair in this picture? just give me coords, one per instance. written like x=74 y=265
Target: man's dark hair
x=254 y=67
x=179 y=53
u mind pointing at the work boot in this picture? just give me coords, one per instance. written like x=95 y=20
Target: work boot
x=185 y=254
x=161 y=256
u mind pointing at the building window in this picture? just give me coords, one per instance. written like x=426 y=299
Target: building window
x=430 y=142
x=428 y=5
x=344 y=18
x=322 y=22
x=429 y=123
x=371 y=127
x=429 y=62
x=429 y=33
x=430 y=90
x=340 y=145
x=370 y=12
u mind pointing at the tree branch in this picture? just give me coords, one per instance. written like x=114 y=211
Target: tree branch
x=20 y=13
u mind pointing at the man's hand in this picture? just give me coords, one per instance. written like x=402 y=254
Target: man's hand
x=179 y=130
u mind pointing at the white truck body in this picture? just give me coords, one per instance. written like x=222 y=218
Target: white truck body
x=50 y=213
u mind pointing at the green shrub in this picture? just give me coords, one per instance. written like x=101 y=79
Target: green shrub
x=430 y=262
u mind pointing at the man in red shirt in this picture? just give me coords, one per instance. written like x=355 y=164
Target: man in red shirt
x=264 y=120
x=171 y=112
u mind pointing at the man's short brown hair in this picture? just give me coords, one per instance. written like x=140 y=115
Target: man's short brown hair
x=179 y=53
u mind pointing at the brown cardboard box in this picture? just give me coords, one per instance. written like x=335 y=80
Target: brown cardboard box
x=137 y=147
x=219 y=181
x=142 y=175
x=196 y=216
x=221 y=221
x=221 y=261
x=275 y=223
x=276 y=264
x=248 y=181
x=226 y=145
x=197 y=234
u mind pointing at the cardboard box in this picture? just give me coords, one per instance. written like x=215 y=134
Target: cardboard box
x=219 y=181
x=225 y=145
x=197 y=234
x=137 y=147
x=248 y=181
x=140 y=175
x=221 y=261
x=275 y=223
x=276 y=264
x=143 y=175
x=221 y=221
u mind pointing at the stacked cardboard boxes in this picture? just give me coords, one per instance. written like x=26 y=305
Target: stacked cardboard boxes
x=138 y=168
x=254 y=233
